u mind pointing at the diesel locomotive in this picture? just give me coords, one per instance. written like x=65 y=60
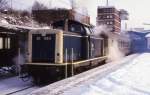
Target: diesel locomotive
x=66 y=49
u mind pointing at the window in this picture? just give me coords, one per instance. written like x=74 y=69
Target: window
x=75 y=27
x=72 y=29
x=87 y=30
x=110 y=22
x=107 y=23
x=105 y=16
x=1 y=43
x=110 y=16
x=7 y=43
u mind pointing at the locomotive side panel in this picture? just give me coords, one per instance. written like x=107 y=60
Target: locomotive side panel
x=72 y=48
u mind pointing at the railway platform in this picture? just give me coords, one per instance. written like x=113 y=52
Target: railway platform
x=127 y=76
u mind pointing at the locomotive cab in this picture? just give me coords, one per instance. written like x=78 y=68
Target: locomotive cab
x=72 y=27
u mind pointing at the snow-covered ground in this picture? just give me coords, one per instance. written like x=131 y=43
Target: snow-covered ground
x=129 y=76
x=14 y=84
x=132 y=79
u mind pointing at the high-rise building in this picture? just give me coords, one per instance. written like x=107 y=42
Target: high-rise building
x=109 y=16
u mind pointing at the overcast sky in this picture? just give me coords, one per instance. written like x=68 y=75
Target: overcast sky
x=138 y=9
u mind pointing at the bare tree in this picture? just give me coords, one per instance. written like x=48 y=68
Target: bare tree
x=38 y=6
x=3 y=4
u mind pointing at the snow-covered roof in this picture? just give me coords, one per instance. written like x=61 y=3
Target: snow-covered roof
x=17 y=27
x=18 y=20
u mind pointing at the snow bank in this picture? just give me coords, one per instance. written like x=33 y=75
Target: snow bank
x=132 y=79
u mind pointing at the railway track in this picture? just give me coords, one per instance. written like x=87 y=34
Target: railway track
x=15 y=86
x=23 y=91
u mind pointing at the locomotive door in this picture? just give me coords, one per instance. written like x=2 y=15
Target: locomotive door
x=43 y=48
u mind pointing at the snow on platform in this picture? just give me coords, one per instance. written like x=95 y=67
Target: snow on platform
x=116 y=78
x=12 y=84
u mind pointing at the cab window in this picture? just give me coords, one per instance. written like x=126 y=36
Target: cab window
x=7 y=43
x=75 y=28
x=87 y=30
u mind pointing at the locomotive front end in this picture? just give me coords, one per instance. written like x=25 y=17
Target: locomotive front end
x=45 y=54
x=45 y=46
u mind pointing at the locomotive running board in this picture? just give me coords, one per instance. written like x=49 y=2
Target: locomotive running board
x=63 y=64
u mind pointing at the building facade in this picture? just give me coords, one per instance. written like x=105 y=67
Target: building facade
x=109 y=16
x=140 y=41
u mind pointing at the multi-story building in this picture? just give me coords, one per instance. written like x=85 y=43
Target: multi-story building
x=109 y=16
